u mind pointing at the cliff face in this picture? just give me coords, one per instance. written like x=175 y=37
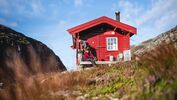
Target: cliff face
x=18 y=51
x=166 y=37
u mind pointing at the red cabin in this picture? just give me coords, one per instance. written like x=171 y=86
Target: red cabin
x=109 y=39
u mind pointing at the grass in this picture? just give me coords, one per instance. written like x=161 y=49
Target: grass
x=163 y=62
x=152 y=77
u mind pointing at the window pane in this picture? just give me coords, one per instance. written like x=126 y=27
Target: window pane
x=114 y=41
x=111 y=43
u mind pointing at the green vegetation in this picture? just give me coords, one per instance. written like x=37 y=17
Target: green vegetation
x=23 y=41
x=152 y=77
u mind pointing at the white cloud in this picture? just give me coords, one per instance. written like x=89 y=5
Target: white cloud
x=2 y=20
x=167 y=19
x=13 y=24
x=37 y=7
x=4 y=6
x=78 y=3
x=129 y=11
x=10 y=24
x=21 y=7
x=3 y=3
x=158 y=16
x=159 y=9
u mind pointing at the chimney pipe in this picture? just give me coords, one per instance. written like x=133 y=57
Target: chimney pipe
x=117 y=13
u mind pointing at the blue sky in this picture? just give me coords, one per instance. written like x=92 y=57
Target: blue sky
x=48 y=20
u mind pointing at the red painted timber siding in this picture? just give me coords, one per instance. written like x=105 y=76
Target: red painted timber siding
x=99 y=43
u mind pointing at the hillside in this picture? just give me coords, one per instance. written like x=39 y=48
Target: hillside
x=169 y=36
x=151 y=77
x=18 y=51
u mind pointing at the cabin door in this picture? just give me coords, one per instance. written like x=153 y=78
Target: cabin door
x=101 y=47
x=98 y=46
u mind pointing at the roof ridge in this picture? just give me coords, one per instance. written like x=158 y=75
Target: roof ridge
x=102 y=19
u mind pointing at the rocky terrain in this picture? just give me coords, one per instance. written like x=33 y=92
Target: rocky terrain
x=19 y=52
x=151 y=78
x=167 y=37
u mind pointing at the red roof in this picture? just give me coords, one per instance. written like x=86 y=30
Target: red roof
x=100 y=20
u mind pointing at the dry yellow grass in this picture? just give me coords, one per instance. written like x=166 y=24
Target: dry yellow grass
x=152 y=77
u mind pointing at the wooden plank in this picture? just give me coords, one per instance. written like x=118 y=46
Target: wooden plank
x=85 y=62
x=98 y=62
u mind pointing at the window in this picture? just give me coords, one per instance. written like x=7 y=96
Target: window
x=111 y=43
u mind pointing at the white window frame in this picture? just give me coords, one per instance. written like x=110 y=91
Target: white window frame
x=112 y=43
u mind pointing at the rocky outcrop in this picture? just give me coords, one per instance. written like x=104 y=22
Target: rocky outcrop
x=19 y=52
x=148 y=45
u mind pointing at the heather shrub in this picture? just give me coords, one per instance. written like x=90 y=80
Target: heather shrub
x=162 y=60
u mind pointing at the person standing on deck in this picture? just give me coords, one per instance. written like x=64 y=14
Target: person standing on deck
x=83 y=47
x=88 y=56
x=84 y=44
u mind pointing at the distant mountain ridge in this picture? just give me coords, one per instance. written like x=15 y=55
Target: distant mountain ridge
x=169 y=36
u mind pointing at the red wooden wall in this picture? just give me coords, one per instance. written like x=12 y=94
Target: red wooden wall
x=98 y=43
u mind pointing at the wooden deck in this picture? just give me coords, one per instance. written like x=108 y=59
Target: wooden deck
x=98 y=62
x=81 y=65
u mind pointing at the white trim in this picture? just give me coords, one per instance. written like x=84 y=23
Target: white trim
x=113 y=46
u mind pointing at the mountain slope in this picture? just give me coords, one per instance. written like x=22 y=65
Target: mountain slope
x=18 y=51
x=167 y=37
x=151 y=78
